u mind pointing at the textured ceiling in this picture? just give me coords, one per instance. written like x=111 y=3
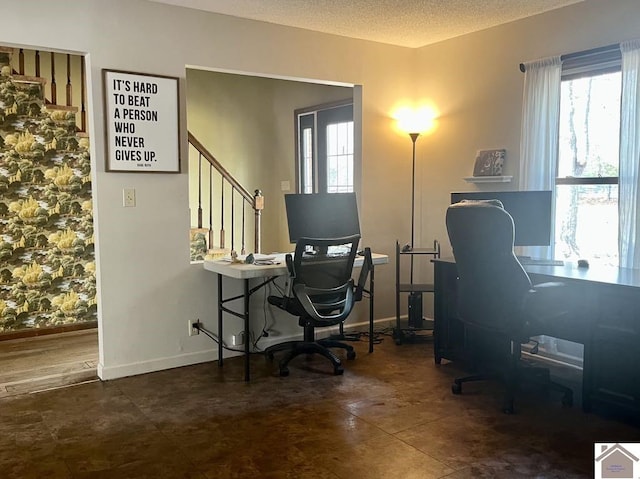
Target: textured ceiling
x=409 y=23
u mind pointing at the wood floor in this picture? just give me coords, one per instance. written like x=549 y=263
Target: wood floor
x=45 y=362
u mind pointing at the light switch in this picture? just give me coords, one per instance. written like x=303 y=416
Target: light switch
x=129 y=197
x=285 y=186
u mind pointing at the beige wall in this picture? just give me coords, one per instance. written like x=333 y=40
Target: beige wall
x=147 y=289
x=476 y=84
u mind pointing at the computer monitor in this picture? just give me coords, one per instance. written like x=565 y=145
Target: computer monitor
x=322 y=215
x=531 y=212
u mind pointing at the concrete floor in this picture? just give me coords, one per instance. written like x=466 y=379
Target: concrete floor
x=391 y=415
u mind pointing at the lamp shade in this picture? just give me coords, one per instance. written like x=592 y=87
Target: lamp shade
x=415 y=120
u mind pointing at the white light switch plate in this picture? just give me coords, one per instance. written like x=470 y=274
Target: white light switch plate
x=129 y=197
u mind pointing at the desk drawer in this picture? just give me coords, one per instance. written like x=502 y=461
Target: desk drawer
x=612 y=370
x=618 y=314
x=615 y=377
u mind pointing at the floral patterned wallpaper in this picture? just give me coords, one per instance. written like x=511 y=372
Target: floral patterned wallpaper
x=198 y=243
x=47 y=266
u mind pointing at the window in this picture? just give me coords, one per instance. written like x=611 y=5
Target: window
x=586 y=217
x=325 y=149
x=339 y=159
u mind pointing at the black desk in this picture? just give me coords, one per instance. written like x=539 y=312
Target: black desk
x=609 y=311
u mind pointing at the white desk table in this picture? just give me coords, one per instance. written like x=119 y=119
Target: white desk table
x=247 y=272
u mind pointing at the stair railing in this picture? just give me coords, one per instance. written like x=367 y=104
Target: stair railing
x=28 y=65
x=231 y=190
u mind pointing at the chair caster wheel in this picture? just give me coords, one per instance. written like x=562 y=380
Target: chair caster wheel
x=338 y=371
x=351 y=354
x=284 y=372
x=456 y=388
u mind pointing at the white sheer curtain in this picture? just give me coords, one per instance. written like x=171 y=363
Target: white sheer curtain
x=539 y=137
x=629 y=176
x=539 y=156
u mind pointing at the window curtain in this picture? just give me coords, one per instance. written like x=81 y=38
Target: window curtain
x=629 y=176
x=539 y=136
x=538 y=160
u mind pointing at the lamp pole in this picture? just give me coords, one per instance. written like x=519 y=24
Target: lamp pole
x=414 y=137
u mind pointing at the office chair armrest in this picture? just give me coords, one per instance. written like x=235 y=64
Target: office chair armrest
x=562 y=310
x=367 y=266
x=551 y=293
x=545 y=304
x=344 y=304
x=288 y=260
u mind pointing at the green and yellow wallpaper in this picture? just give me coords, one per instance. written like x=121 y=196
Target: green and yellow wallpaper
x=47 y=266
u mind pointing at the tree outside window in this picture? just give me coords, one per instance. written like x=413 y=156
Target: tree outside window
x=587 y=177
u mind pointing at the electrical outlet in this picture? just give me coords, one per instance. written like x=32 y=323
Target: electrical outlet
x=129 y=197
x=193 y=331
x=237 y=339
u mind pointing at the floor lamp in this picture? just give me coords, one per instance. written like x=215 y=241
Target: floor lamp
x=414 y=137
x=413 y=122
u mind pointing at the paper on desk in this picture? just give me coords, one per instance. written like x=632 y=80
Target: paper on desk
x=257 y=258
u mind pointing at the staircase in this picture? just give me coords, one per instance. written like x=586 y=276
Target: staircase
x=32 y=67
x=225 y=203
x=47 y=268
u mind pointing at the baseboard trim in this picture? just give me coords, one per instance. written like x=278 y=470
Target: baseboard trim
x=33 y=332
x=109 y=373
x=143 y=367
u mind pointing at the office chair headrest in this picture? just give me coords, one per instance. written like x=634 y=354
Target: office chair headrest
x=480 y=225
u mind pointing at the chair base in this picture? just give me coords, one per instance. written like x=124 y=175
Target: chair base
x=512 y=380
x=321 y=347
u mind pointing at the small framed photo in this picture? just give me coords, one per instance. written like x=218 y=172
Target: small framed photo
x=489 y=163
x=142 y=122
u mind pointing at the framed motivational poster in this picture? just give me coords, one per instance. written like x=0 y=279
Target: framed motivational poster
x=142 y=122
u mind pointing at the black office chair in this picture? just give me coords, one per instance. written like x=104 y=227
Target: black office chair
x=320 y=291
x=497 y=302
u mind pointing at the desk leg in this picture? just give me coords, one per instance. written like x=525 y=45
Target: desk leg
x=220 y=336
x=247 y=336
x=371 y=296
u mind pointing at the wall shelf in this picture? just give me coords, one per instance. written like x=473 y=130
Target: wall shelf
x=488 y=179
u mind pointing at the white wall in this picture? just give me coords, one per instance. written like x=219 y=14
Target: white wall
x=147 y=289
